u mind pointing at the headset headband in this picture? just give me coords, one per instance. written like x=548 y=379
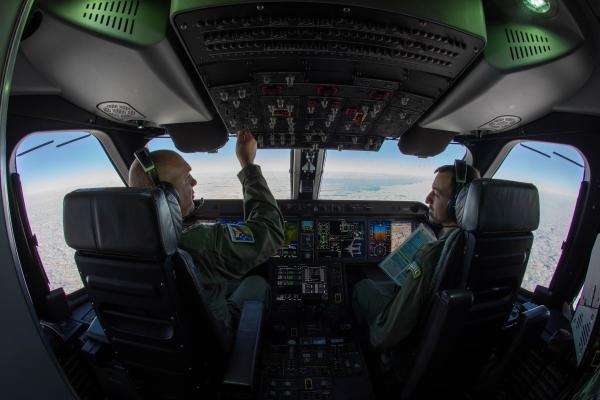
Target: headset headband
x=145 y=160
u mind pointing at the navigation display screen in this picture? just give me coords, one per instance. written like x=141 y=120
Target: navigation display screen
x=400 y=232
x=380 y=238
x=340 y=239
x=289 y=249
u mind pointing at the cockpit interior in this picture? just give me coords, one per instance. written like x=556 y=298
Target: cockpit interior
x=353 y=105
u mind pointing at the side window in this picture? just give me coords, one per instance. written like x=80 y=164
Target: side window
x=51 y=165
x=557 y=171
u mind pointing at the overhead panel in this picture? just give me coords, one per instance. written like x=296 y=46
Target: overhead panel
x=326 y=76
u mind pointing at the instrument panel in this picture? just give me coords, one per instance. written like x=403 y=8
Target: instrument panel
x=346 y=239
x=328 y=231
x=337 y=239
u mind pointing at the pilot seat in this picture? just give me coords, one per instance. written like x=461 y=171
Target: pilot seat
x=476 y=282
x=146 y=296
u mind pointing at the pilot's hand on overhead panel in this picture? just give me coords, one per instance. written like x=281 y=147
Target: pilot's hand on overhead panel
x=245 y=148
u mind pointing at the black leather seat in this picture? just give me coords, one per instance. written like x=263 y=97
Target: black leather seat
x=476 y=282
x=144 y=289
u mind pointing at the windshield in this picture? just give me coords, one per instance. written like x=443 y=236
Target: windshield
x=216 y=173
x=384 y=175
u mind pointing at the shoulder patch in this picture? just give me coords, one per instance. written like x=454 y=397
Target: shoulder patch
x=240 y=233
x=414 y=269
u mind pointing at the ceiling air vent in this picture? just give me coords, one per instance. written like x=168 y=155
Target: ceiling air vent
x=523 y=44
x=115 y=15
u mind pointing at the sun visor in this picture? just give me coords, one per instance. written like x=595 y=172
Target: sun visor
x=422 y=142
x=195 y=137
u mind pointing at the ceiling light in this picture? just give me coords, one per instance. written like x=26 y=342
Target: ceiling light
x=538 y=6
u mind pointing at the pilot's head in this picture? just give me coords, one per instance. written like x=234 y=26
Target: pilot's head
x=442 y=192
x=173 y=169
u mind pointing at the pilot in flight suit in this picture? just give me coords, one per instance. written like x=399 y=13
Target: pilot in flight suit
x=228 y=251
x=223 y=252
x=391 y=315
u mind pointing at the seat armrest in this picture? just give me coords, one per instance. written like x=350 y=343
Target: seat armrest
x=241 y=368
x=96 y=332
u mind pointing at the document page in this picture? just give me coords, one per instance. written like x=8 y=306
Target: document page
x=400 y=262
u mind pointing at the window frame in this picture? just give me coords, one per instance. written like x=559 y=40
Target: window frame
x=577 y=212
x=78 y=296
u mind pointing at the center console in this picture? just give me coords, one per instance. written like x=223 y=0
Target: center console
x=310 y=348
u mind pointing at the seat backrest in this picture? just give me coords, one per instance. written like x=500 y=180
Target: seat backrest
x=143 y=288
x=497 y=218
x=485 y=258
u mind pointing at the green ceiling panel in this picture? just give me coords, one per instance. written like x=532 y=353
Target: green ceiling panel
x=519 y=45
x=137 y=22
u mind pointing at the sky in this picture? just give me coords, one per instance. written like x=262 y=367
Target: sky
x=552 y=174
x=83 y=163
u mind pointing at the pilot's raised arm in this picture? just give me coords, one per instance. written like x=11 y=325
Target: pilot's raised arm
x=231 y=250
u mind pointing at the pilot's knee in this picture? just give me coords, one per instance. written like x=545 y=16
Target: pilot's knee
x=253 y=287
x=360 y=294
x=361 y=287
x=258 y=284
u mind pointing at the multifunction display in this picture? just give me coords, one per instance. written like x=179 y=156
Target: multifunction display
x=400 y=232
x=340 y=239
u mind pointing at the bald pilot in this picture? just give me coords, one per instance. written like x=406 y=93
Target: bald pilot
x=223 y=252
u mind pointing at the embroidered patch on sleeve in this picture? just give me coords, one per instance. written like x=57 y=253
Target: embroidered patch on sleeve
x=240 y=233
x=414 y=269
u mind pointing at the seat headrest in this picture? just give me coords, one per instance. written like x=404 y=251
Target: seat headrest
x=495 y=205
x=122 y=221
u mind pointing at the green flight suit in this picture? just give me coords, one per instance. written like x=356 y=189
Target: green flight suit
x=391 y=315
x=223 y=252
x=591 y=389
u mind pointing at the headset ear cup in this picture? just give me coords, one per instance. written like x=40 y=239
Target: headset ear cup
x=459 y=204
x=175 y=209
x=451 y=208
x=169 y=189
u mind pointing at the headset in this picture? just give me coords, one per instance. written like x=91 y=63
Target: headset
x=461 y=180
x=151 y=171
